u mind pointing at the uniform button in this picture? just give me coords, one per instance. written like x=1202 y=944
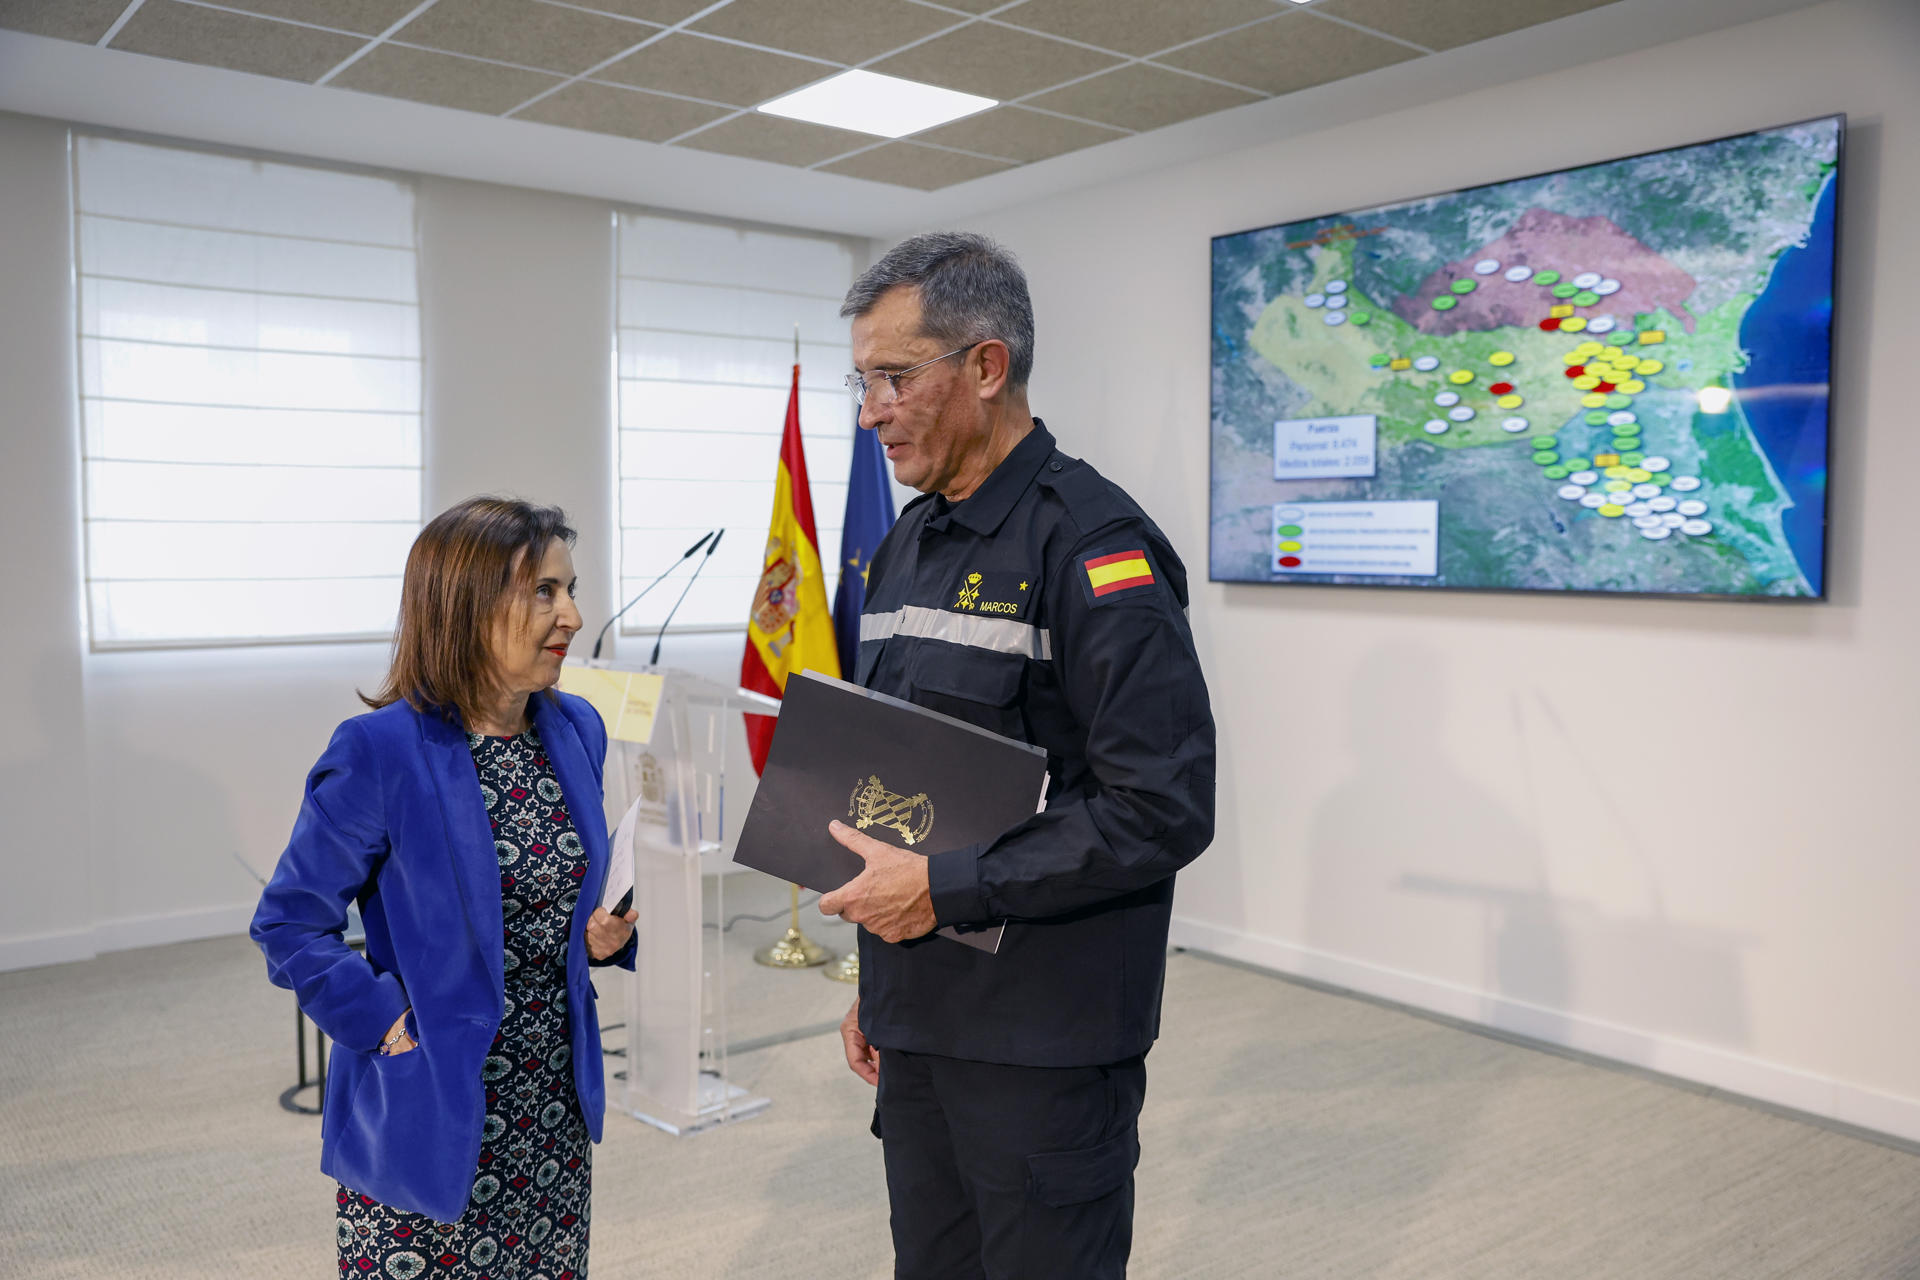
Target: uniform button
x=1054 y=466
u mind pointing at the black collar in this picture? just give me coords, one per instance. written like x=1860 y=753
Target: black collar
x=987 y=507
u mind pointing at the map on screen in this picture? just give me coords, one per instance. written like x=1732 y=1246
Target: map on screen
x=1606 y=379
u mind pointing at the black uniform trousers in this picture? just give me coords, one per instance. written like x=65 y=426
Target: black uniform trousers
x=1009 y=1173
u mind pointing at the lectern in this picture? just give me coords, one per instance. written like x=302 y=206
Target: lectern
x=676 y=1077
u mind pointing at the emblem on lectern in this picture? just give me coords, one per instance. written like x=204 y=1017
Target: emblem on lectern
x=871 y=803
x=653 y=789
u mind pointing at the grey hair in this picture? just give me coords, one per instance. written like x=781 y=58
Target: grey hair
x=971 y=289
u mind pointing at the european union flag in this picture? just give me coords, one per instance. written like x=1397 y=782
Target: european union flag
x=869 y=515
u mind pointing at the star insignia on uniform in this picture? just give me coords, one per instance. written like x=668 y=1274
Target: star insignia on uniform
x=1023 y=586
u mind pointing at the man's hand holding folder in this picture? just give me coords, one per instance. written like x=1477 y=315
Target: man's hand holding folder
x=890 y=898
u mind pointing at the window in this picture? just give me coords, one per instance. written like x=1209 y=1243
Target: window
x=249 y=396
x=706 y=318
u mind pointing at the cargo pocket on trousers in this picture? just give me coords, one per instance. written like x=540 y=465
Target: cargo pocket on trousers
x=1061 y=1178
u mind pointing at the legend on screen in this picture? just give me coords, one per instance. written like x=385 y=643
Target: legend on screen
x=1322 y=448
x=1399 y=539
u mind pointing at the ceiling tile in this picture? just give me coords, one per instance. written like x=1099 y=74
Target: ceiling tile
x=524 y=32
x=843 y=30
x=664 y=12
x=702 y=68
x=763 y=137
x=1143 y=97
x=631 y=113
x=82 y=20
x=905 y=165
x=216 y=38
x=370 y=17
x=1019 y=134
x=1446 y=24
x=443 y=80
x=997 y=62
x=1136 y=26
x=1297 y=52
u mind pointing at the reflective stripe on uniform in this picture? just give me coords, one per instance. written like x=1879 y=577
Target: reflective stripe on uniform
x=1001 y=635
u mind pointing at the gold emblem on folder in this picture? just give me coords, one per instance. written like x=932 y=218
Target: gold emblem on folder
x=871 y=803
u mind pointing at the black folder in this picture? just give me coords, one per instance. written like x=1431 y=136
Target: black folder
x=903 y=774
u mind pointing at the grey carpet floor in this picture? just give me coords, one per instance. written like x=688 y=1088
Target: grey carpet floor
x=1288 y=1132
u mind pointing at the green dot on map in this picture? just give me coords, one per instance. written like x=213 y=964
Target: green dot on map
x=1361 y=317
x=1618 y=401
x=1445 y=302
x=1463 y=286
x=1618 y=338
x=1625 y=443
x=1289 y=530
x=1546 y=277
x=1546 y=459
x=1596 y=417
x=1632 y=459
x=1378 y=360
x=1546 y=442
x=1661 y=478
x=1576 y=464
x=1585 y=298
x=1557 y=473
x=1565 y=290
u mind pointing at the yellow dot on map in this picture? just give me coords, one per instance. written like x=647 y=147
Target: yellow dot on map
x=1594 y=400
x=1585 y=382
x=1618 y=486
x=1510 y=402
x=1574 y=357
x=1614 y=470
x=1572 y=324
x=1560 y=312
x=1501 y=358
x=1633 y=386
x=1611 y=509
x=1606 y=459
x=1650 y=336
x=1460 y=377
x=1589 y=349
x=1647 y=368
x=1639 y=475
x=1399 y=362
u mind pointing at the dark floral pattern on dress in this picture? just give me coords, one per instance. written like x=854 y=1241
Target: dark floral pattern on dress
x=528 y=1215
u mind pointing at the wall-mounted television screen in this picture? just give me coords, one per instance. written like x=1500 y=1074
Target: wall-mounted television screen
x=1607 y=379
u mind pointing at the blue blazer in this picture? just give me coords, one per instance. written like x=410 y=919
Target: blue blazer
x=393 y=818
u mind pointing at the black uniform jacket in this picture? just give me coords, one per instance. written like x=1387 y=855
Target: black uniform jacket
x=1048 y=608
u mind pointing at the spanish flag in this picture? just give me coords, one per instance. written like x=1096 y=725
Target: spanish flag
x=790 y=628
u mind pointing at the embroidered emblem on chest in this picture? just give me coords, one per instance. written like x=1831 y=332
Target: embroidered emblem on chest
x=998 y=594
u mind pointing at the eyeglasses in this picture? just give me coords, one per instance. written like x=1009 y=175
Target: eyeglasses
x=861 y=389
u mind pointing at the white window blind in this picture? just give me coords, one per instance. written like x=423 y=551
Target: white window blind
x=706 y=318
x=250 y=396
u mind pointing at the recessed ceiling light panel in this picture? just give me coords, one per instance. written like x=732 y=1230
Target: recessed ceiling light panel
x=869 y=102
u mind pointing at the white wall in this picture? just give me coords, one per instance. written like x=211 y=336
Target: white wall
x=1428 y=796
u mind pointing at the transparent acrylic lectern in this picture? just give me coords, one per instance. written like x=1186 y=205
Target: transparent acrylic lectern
x=676 y=1069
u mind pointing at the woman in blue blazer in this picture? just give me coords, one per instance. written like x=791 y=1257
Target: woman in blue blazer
x=463 y=814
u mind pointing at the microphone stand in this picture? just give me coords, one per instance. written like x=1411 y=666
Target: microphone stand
x=685 y=556
x=712 y=547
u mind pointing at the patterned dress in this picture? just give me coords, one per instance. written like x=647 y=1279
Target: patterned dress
x=528 y=1214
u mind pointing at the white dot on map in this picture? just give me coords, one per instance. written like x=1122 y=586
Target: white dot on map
x=1655 y=463
x=1638 y=510
x=1696 y=528
x=1673 y=519
x=1337 y=301
x=1460 y=413
x=1447 y=399
x=1486 y=266
x=1623 y=418
x=1437 y=426
x=1661 y=503
x=1572 y=492
x=1519 y=275
x=1606 y=287
x=1656 y=533
x=1584 y=477
x=1648 y=491
x=1426 y=364
x=1336 y=287
x=1514 y=424
x=1685 y=484
x=1693 y=507
x=1335 y=317
x=1645 y=522
x=1586 y=280
x=1601 y=324
x=1316 y=299
x=1593 y=500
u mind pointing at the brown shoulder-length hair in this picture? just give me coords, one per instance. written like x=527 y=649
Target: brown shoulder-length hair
x=460 y=573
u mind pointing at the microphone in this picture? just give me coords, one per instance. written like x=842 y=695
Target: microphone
x=597 y=640
x=712 y=547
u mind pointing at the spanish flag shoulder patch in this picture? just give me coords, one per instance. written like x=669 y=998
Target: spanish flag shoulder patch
x=1112 y=573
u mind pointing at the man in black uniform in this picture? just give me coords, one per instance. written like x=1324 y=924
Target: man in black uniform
x=1024 y=593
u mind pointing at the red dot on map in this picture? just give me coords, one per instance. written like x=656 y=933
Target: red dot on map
x=1501 y=388
x=1575 y=370
x=1550 y=323
x=1604 y=388
x=1290 y=562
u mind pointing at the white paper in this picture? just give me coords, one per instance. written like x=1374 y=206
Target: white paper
x=620 y=858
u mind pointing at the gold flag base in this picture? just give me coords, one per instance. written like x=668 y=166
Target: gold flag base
x=845 y=969
x=795 y=950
